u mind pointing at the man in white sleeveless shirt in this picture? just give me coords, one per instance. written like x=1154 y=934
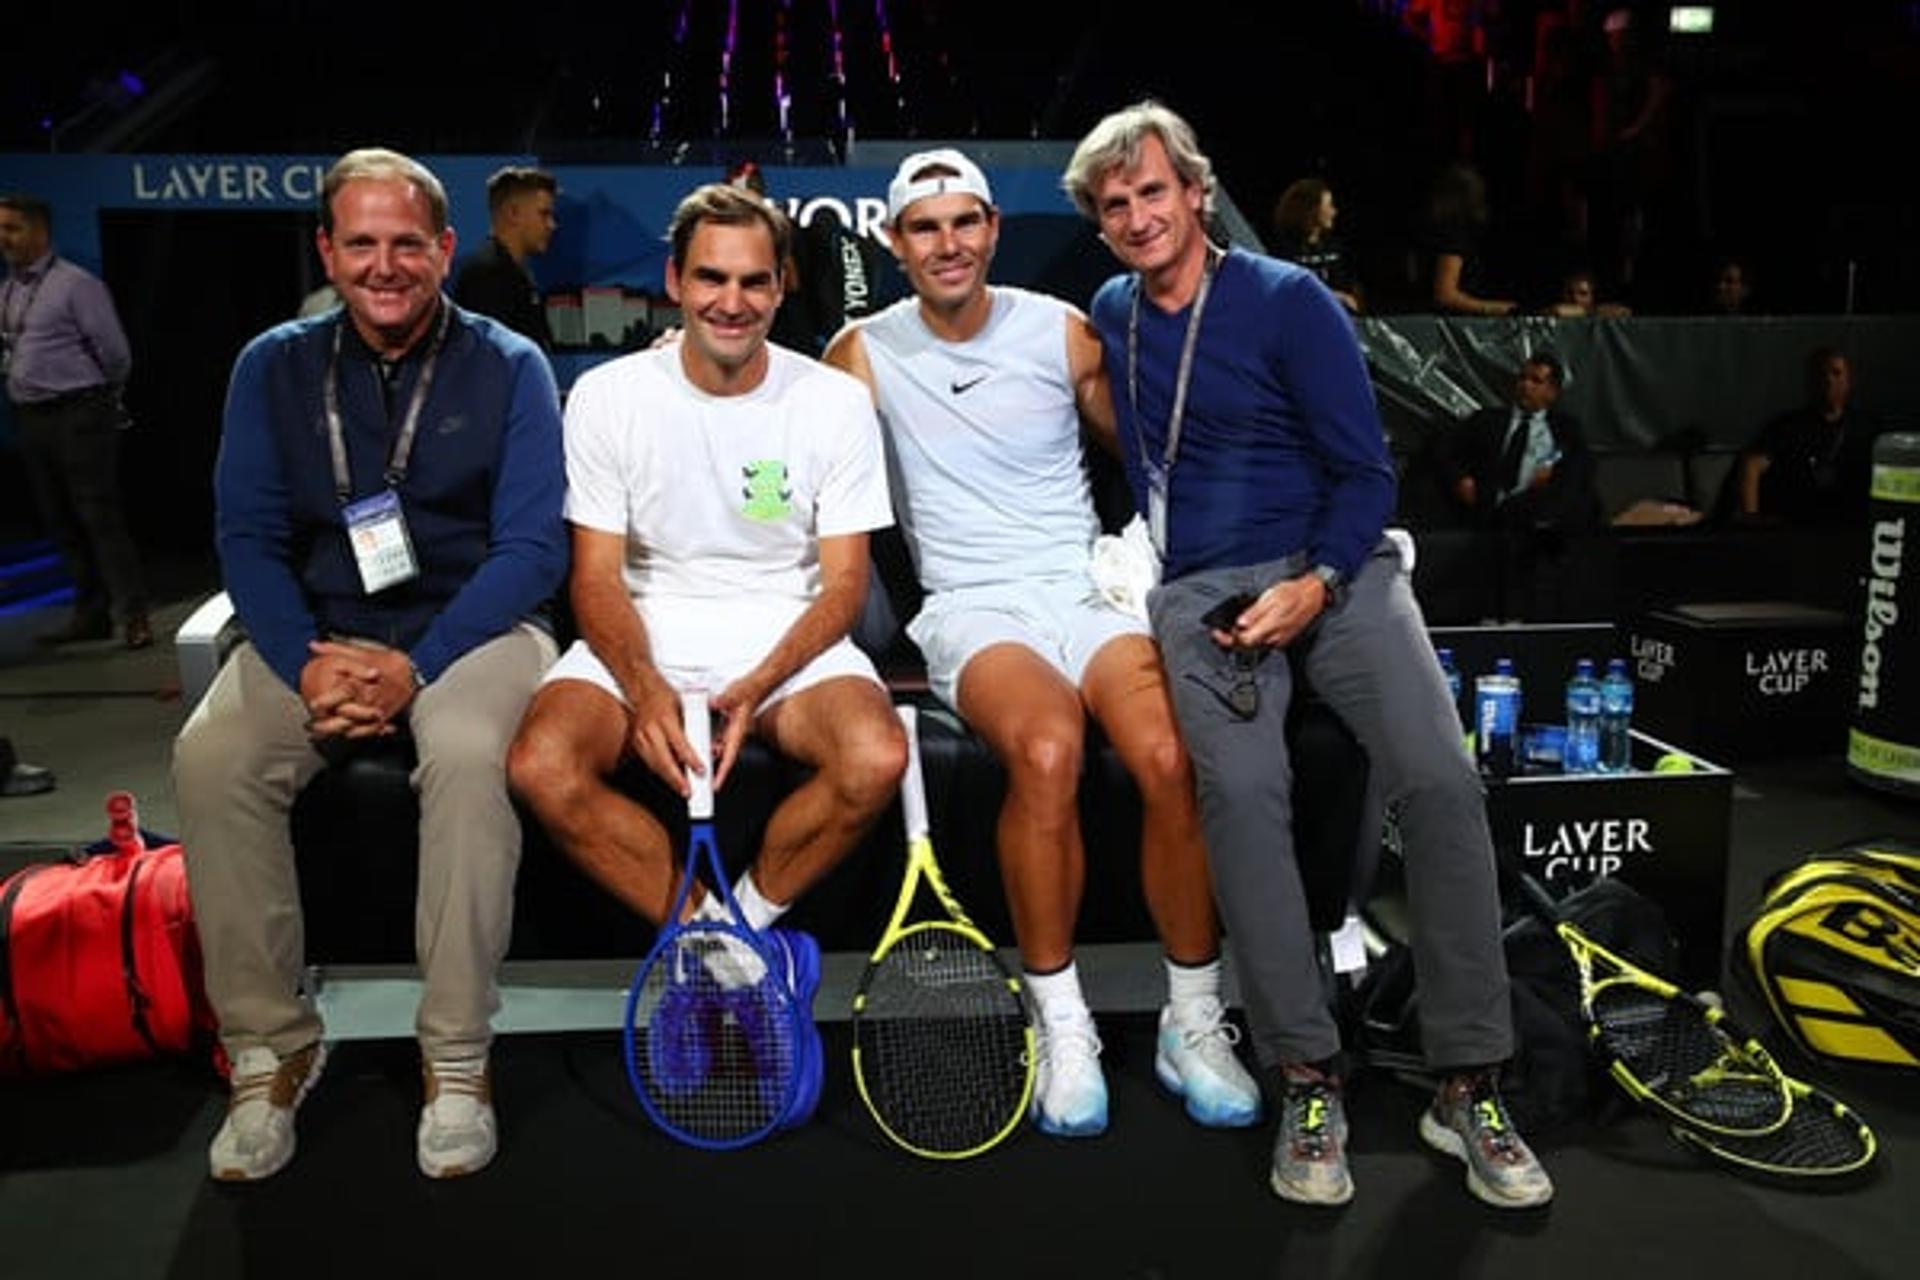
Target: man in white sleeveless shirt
x=982 y=394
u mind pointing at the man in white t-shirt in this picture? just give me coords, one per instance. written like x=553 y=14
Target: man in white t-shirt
x=720 y=493
x=982 y=393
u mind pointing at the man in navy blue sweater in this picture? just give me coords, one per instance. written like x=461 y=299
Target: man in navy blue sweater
x=389 y=490
x=1254 y=448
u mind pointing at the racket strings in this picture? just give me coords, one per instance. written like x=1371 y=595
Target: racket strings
x=1820 y=1138
x=714 y=1050
x=943 y=1043
x=1675 y=1053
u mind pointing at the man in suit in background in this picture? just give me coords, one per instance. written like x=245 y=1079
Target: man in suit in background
x=1525 y=472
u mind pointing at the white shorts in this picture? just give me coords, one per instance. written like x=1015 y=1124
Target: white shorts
x=1064 y=622
x=710 y=645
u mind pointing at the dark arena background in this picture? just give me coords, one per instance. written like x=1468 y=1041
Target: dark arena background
x=1760 y=142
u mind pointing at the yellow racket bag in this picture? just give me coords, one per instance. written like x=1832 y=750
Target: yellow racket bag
x=1835 y=950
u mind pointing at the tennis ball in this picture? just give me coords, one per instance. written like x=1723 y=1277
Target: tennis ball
x=1673 y=762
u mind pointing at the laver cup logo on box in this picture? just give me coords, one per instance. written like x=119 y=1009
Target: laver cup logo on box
x=1781 y=672
x=1597 y=847
x=1883 y=746
x=1652 y=659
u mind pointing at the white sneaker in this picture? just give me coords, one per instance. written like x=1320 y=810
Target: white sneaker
x=256 y=1140
x=1195 y=1061
x=457 y=1131
x=1069 y=1093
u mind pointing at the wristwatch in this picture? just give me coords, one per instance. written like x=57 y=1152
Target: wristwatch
x=1333 y=580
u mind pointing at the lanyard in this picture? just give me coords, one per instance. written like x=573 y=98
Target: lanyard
x=403 y=445
x=1181 y=377
x=12 y=326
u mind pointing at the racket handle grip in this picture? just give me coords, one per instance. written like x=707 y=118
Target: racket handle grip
x=697 y=722
x=913 y=787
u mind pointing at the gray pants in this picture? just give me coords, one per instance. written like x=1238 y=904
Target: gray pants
x=72 y=452
x=1370 y=660
x=238 y=765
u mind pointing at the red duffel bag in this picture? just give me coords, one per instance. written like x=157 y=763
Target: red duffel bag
x=99 y=962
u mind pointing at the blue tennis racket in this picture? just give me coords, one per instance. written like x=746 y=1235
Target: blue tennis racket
x=713 y=1037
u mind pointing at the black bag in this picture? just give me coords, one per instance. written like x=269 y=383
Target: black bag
x=1551 y=1080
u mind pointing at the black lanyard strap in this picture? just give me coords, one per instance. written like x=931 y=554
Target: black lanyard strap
x=403 y=445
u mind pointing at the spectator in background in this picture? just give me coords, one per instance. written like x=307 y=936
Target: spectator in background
x=1457 y=229
x=495 y=281
x=66 y=363
x=1303 y=221
x=1525 y=472
x=1732 y=288
x=1560 y=137
x=1580 y=297
x=1632 y=144
x=1810 y=466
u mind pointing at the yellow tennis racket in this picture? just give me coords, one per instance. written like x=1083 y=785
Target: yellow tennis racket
x=942 y=1043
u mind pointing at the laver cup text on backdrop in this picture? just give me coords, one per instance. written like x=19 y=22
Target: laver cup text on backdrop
x=1883 y=745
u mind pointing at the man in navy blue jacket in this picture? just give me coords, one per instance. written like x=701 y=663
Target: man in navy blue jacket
x=389 y=491
x=1251 y=440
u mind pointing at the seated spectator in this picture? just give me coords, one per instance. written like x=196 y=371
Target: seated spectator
x=1732 y=293
x=1303 y=233
x=1457 y=228
x=1810 y=465
x=1578 y=297
x=1525 y=472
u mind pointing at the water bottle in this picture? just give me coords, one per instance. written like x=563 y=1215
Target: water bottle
x=1582 y=751
x=1497 y=719
x=1616 y=719
x=1452 y=673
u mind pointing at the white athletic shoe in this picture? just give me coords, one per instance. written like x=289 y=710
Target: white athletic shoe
x=1069 y=1092
x=256 y=1140
x=1195 y=1062
x=457 y=1131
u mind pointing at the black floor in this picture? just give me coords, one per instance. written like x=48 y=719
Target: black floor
x=104 y=1174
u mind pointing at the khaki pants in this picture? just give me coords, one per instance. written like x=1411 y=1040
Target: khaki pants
x=238 y=765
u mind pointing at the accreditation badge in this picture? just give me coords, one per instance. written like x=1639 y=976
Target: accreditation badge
x=378 y=530
x=1157 y=509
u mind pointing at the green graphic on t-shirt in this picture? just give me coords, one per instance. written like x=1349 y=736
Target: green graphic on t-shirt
x=766 y=490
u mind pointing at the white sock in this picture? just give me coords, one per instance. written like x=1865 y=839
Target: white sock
x=1058 y=995
x=755 y=910
x=1193 y=990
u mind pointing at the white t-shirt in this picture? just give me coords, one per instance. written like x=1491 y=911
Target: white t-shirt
x=723 y=500
x=984 y=440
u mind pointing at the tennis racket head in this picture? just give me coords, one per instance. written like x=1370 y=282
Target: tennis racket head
x=1822 y=1141
x=943 y=1050
x=1672 y=1051
x=712 y=1037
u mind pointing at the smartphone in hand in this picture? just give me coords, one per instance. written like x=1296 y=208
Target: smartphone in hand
x=1223 y=615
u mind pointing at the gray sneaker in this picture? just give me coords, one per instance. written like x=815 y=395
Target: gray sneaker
x=1469 y=1121
x=1310 y=1153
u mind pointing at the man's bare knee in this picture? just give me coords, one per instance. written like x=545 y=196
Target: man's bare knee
x=1046 y=757
x=867 y=767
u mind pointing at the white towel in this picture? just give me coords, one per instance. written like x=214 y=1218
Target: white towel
x=1125 y=568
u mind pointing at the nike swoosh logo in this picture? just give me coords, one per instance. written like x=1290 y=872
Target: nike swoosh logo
x=961 y=388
